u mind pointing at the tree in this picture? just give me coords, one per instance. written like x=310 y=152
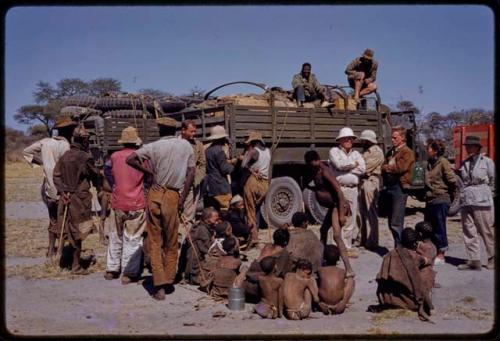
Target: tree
x=102 y=86
x=155 y=93
x=48 y=98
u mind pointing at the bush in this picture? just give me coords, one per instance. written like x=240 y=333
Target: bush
x=15 y=142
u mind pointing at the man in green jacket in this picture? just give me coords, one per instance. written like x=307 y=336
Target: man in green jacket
x=306 y=87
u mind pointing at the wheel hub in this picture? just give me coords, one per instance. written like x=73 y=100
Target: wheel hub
x=282 y=202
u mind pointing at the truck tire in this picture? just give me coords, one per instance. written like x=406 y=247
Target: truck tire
x=172 y=106
x=317 y=211
x=283 y=199
x=455 y=205
x=77 y=111
x=127 y=113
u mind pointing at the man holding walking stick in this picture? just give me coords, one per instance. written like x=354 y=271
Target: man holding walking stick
x=72 y=176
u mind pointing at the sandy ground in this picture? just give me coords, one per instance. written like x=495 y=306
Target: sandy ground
x=90 y=305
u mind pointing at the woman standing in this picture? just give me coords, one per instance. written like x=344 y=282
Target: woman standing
x=440 y=184
x=476 y=201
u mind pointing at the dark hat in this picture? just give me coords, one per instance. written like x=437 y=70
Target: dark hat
x=167 y=122
x=472 y=140
x=368 y=54
x=64 y=121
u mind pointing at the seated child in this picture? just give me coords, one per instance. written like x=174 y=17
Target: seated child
x=271 y=304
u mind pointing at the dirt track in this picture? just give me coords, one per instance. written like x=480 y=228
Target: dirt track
x=92 y=306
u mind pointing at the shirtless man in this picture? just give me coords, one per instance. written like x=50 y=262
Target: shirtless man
x=249 y=278
x=335 y=288
x=299 y=289
x=329 y=194
x=271 y=304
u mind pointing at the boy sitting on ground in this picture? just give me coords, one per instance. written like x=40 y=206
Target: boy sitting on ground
x=299 y=289
x=271 y=304
x=335 y=289
x=304 y=243
x=427 y=249
x=226 y=269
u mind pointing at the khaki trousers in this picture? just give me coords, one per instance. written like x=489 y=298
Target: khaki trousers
x=254 y=193
x=189 y=211
x=351 y=195
x=162 y=229
x=478 y=220
x=368 y=209
x=125 y=242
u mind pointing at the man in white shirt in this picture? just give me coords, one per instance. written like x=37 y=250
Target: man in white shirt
x=46 y=153
x=348 y=165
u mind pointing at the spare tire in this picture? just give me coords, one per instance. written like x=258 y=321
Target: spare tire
x=172 y=106
x=77 y=111
x=283 y=199
x=317 y=211
x=455 y=205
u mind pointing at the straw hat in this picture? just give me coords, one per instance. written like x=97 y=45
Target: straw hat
x=64 y=121
x=472 y=141
x=369 y=135
x=166 y=122
x=129 y=135
x=345 y=132
x=217 y=132
x=237 y=198
x=254 y=136
x=368 y=54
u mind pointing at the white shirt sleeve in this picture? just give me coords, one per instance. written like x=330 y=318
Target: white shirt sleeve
x=360 y=169
x=339 y=160
x=29 y=153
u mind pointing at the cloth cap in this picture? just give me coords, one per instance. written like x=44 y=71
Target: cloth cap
x=237 y=198
x=368 y=54
x=217 y=132
x=166 y=122
x=129 y=135
x=369 y=135
x=472 y=141
x=64 y=121
x=345 y=132
x=254 y=136
x=80 y=131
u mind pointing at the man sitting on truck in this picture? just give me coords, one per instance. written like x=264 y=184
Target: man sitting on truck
x=306 y=87
x=362 y=73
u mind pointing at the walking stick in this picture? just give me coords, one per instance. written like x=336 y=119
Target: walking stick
x=188 y=236
x=60 y=244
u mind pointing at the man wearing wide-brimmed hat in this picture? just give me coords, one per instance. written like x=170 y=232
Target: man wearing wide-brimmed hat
x=173 y=164
x=477 y=208
x=46 y=153
x=257 y=160
x=370 y=186
x=127 y=216
x=348 y=165
x=73 y=175
x=362 y=73
x=218 y=189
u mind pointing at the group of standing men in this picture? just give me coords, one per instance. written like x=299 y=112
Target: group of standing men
x=154 y=188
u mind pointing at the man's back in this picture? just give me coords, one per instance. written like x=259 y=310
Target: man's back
x=331 y=284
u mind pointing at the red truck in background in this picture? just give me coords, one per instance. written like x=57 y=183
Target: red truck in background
x=486 y=134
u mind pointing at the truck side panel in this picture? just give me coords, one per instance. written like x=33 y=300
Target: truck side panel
x=486 y=134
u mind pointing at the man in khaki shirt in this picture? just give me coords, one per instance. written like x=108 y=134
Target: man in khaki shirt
x=188 y=130
x=370 y=186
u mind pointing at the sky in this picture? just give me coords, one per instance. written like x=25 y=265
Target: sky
x=446 y=51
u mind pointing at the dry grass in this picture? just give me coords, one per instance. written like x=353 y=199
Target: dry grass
x=26 y=237
x=22 y=183
x=458 y=312
x=392 y=314
x=468 y=300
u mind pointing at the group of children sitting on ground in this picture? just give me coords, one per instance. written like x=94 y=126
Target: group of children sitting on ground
x=297 y=274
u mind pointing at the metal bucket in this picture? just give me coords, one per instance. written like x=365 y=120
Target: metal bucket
x=236 y=299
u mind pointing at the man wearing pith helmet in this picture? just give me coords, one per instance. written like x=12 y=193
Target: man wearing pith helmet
x=173 y=172
x=348 y=165
x=257 y=160
x=370 y=186
x=128 y=212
